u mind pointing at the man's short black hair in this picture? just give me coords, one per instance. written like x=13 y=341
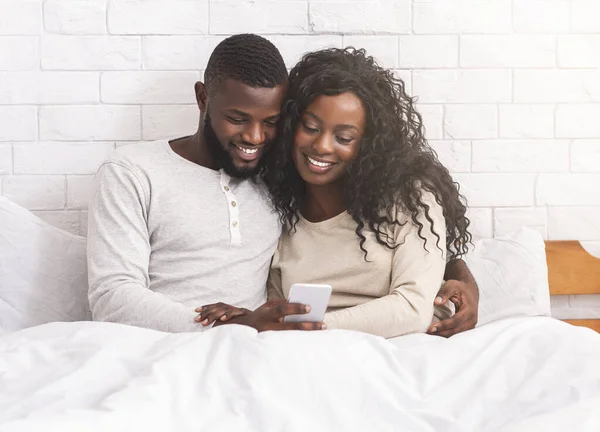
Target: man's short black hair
x=248 y=58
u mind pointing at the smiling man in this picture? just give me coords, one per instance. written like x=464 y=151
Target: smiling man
x=174 y=225
x=177 y=224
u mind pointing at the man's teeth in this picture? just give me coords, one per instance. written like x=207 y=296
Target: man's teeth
x=247 y=151
x=317 y=163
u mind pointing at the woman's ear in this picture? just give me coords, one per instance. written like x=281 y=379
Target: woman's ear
x=200 y=90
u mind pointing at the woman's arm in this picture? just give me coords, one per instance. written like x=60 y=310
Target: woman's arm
x=274 y=288
x=416 y=276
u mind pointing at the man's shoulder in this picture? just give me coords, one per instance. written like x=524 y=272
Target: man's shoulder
x=138 y=155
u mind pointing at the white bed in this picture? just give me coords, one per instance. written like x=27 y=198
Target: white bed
x=519 y=374
x=520 y=370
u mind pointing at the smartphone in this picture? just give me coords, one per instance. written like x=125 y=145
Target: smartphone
x=314 y=295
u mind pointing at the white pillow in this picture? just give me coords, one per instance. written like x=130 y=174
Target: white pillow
x=43 y=271
x=512 y=275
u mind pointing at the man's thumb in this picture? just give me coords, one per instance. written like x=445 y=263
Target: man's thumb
x=445 y=293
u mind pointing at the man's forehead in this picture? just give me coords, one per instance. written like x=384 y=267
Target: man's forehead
x=232 y=92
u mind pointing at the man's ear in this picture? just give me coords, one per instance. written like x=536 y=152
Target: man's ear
x=200 y=95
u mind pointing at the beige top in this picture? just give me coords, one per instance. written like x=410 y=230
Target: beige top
x=388 y=296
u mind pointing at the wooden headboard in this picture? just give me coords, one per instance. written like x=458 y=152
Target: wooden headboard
x=572 y=270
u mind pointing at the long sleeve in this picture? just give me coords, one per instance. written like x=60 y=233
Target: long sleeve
x=416 y=278
x=274 y=286
x=118 y=257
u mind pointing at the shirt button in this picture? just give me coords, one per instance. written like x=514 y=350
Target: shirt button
x=234 y=223
x=226 y=188
x=233 y=204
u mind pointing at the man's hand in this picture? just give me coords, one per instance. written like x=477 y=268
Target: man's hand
x=461 y=289
x=218 y=312
x=267 y=317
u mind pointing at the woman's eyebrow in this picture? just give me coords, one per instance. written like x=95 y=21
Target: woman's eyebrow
x=314 y=116
x=341 y=126
x=348 y=126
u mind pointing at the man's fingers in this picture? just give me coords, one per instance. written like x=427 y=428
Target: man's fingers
x=456 y=320
x=210 y=314
x=459 y=322
x=205 y=312
x=438 y=330
x=207 y=319
x=232 y=314
x=454 y=331
x=209 y=306
x=449 y=288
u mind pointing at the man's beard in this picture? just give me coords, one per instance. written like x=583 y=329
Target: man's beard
x=223 y=157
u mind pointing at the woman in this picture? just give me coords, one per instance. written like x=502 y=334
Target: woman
x=366 y=205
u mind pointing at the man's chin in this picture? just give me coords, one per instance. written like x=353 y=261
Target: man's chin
x=242 y=170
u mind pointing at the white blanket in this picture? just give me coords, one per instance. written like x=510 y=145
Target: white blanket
x=524 y=374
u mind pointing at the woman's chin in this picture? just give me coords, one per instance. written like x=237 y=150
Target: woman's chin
x=316 y=179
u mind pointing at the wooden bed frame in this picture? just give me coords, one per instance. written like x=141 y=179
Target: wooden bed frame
x=572 y=270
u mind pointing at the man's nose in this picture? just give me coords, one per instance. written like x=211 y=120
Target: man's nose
x=254 y=134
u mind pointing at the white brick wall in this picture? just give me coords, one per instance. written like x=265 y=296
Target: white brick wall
x=66 y=52
x=541 y=16
x=509 y=91
x=148 y=87
x=461 y=16
x=44 y=88
x=507 y=51
x=140 y=17
x=20 y=17
x=19 y=53
x=75 y=16
x=428 y=51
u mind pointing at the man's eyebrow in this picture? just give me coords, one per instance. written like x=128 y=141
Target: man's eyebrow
x=273 y=117
x=238 y=112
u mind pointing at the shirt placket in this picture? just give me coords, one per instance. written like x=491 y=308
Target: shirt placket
x=234 y=210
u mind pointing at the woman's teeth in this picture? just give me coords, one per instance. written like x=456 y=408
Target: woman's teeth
x=247 y=151
x=317 y=163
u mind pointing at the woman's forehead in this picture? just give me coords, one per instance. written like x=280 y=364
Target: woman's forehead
x=341 y=108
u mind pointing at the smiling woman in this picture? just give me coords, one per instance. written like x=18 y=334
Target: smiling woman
x=367 y=206
x=327 y=138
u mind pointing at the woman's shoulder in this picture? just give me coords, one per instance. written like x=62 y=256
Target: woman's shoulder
x=426 y=201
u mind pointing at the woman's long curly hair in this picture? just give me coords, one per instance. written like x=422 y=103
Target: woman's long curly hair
x=394 y=162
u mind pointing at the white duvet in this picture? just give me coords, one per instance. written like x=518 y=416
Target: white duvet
x=524 y=374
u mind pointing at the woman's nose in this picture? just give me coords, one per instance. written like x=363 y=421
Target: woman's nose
x=323 y=144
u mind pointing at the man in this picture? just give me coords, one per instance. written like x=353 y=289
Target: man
x=180 y=224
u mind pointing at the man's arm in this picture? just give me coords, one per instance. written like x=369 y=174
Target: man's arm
x=118 y=253
x=461 y=289
x=458 y=270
